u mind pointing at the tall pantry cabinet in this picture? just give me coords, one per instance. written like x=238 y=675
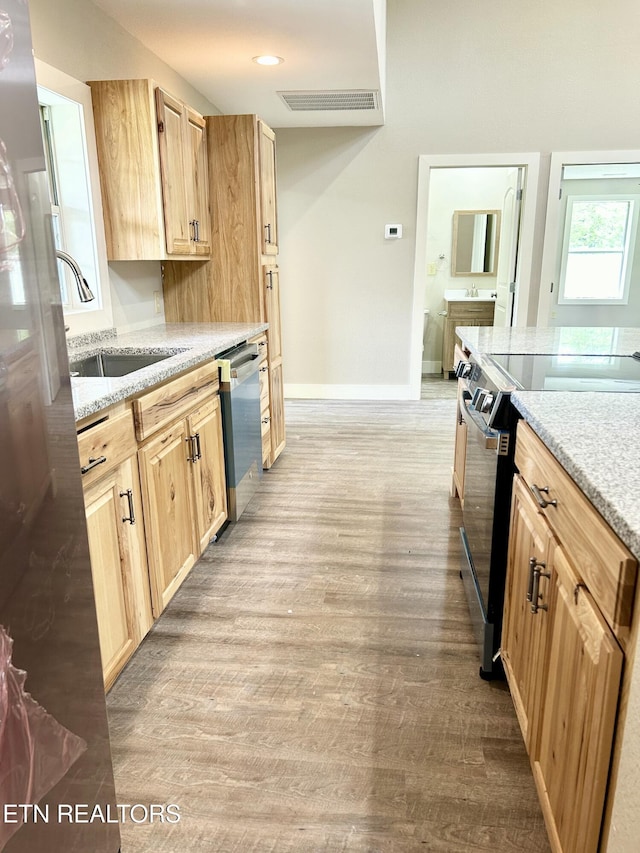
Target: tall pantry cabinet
x=241 y=282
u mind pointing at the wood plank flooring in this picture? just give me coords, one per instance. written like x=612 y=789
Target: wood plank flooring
x=314 y=686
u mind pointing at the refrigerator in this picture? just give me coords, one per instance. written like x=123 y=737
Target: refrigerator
x=56 y=780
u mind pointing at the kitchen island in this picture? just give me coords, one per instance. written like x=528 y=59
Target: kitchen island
x=591 y=435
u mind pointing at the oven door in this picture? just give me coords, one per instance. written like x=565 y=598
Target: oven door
x=480 y=479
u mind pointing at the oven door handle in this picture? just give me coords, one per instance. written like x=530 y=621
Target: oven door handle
x=484 y=435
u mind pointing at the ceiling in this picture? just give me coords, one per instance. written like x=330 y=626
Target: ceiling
x=327 y=45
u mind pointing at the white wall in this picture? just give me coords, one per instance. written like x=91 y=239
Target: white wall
x=77 y=38
x=495 y=77
x=81 y=40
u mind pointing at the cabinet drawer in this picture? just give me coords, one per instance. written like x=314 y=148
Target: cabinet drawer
x=105 y=445
x=604 y=564
x=159 y=407
x=470 y=310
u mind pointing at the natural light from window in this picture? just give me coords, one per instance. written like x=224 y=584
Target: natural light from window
x=597 y=255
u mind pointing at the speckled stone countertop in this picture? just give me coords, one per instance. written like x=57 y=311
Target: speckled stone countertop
x=590 y=433
x=574 y=340
x=187 y=344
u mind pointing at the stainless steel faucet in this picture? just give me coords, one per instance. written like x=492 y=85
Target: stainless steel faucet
x=84 y=291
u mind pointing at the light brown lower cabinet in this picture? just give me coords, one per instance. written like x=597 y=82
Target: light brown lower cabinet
x=168 y=511
x=462 y=313
x=579 y=703
x=118 y=565
x=563 y=641
x=210 y=491
x=151 y=507
x=524 y=634
x=184 y=495
x=460 y=450
x=276 y=404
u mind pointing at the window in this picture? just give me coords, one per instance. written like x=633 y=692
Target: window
x=71 y=213
x=597 y=252
x=66 y=120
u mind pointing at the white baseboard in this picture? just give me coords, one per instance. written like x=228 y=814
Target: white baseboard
x=347 y=392
x=432 y=367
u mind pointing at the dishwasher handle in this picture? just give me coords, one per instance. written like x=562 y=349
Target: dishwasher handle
x=242 y=364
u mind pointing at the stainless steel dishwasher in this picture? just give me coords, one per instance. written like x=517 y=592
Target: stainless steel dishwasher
x=240 y=399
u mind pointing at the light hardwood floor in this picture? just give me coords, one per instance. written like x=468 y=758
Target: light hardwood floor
x=313 y=686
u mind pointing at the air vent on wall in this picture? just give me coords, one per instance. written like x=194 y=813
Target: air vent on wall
x=333 y=99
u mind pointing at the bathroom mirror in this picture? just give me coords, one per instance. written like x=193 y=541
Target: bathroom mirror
x=476 y=234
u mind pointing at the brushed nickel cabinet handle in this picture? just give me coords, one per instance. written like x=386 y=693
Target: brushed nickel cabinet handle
x=267 y=238
x=532 y=566
x=93 y=463
x=131 y=518
x=535 y=592
x=537 y=493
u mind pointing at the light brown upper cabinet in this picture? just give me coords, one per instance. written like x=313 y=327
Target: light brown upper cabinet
x=242 y=284
x=153 y=172
x=267 y=162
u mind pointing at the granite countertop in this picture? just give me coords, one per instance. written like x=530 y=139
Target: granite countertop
x=187 y=344
x=574 y=340
x=590 y=433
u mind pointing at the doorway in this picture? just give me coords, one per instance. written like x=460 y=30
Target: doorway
x=513 y=179
x=592 y=222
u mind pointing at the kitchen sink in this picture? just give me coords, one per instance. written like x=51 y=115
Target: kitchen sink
x=113 y=364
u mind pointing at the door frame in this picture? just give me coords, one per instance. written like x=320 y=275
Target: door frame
x=531 y=162
x=552 y=236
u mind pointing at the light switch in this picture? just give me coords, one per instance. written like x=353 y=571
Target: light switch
x=392 y=232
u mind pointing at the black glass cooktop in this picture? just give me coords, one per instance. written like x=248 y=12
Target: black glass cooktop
x=618 y=373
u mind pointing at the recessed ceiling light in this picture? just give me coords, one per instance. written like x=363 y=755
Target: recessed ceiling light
x=268 y=60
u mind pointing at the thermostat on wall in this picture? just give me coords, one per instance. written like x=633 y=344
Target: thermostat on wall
x=392 y=232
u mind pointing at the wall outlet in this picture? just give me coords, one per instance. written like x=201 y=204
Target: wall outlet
x=157 y=301
x=432 y=269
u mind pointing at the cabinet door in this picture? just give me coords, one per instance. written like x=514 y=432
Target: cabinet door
x=524 y=634
x=198 y=183
x=207 y=469
x=276 y=407
x=460 y=450
x=267 y=165
x=168 y=511
x=571 y=761
x=272 y=311
x=118 y=566
x=171 y=121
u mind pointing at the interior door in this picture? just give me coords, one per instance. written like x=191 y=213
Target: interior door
x=508 y=249
x=613 y=164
